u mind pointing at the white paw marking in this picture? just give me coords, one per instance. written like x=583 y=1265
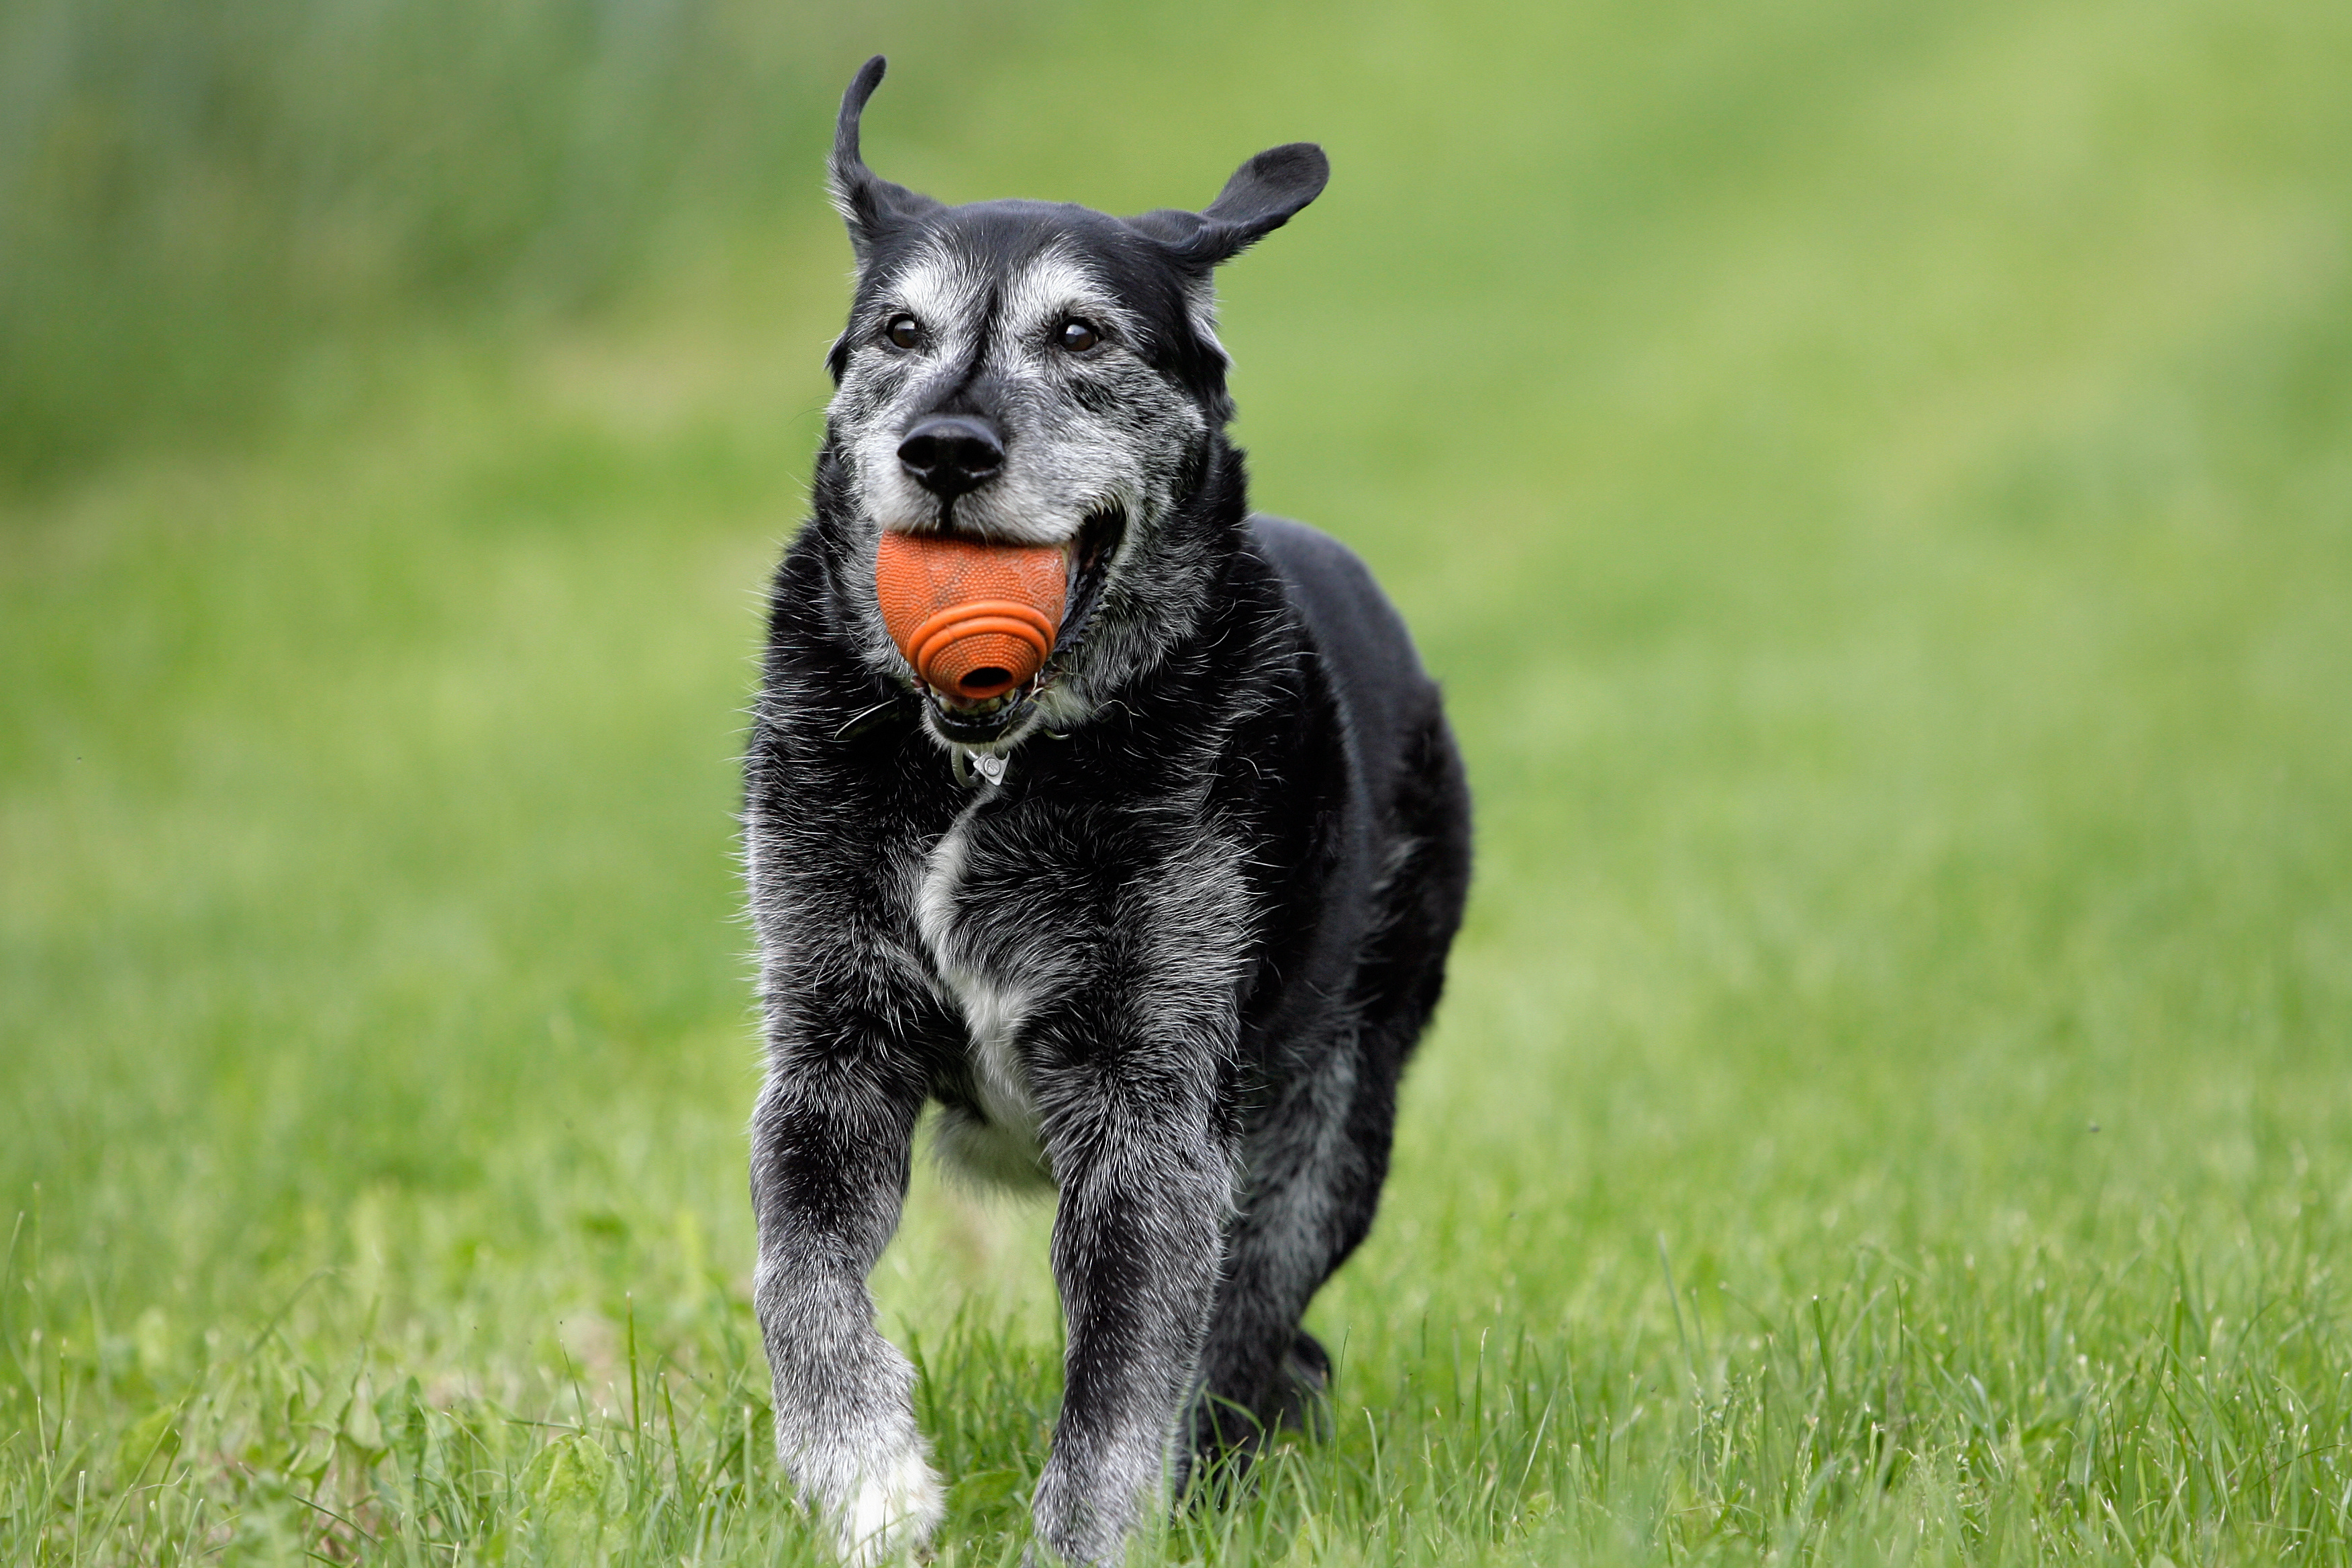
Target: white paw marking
x=892 y=1513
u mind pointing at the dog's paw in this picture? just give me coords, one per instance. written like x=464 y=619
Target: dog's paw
x=1305 y=1403
x=888 y=1513
x=1091 y=1496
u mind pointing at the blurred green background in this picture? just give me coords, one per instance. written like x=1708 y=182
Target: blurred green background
x=1877 y=482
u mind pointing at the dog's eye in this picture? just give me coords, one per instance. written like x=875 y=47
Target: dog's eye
x=904 y=332
x=1077 y=337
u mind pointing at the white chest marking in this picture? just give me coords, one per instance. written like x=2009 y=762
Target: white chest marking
x=992 y=1009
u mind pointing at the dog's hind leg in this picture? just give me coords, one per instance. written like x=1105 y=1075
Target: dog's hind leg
x=1318 y=1156
x=1315 y=1166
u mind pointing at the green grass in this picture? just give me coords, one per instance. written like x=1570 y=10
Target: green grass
x=1877 y=484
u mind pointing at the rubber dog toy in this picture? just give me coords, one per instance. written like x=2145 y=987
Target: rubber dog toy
x=975 y=620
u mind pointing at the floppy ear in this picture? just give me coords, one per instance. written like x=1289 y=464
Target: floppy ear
x=872 y=207
x=1261 y=198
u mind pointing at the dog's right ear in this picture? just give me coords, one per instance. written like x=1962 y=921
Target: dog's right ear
x=871 y=205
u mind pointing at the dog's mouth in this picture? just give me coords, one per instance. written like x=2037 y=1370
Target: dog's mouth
x=972 y=706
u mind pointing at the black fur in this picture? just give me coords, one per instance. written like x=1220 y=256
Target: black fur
x=1182 y=945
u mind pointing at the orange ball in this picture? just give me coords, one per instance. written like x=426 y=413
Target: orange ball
x=975 y=620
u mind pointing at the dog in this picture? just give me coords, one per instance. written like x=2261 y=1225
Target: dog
x=1151 y=894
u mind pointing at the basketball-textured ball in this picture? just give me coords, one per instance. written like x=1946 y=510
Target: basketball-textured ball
x=975 y=620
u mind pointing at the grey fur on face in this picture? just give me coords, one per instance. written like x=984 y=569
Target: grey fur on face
x=1157 y=938
x=1105 y=434
x=1082 y=434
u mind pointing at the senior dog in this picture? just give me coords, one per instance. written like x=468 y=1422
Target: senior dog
x=1121 y=822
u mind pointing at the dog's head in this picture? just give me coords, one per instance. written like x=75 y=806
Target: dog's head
x=1019 y=373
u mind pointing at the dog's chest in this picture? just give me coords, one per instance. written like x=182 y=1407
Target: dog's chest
x=994 y=1003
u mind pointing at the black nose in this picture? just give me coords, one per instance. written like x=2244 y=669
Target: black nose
x=950 y=454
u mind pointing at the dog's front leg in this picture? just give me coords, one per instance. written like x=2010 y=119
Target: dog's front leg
x=1146 y=1186
x=829 y=1158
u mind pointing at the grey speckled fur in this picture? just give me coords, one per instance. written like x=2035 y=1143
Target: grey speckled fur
x=1158 y=936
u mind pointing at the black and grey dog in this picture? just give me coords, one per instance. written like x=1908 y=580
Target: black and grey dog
x=1158 y=930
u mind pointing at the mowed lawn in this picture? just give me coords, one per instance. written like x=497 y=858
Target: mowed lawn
x=1876 y=483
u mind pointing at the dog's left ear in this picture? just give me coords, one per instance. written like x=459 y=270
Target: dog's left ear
x=1262 y=196
x=871 y=205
